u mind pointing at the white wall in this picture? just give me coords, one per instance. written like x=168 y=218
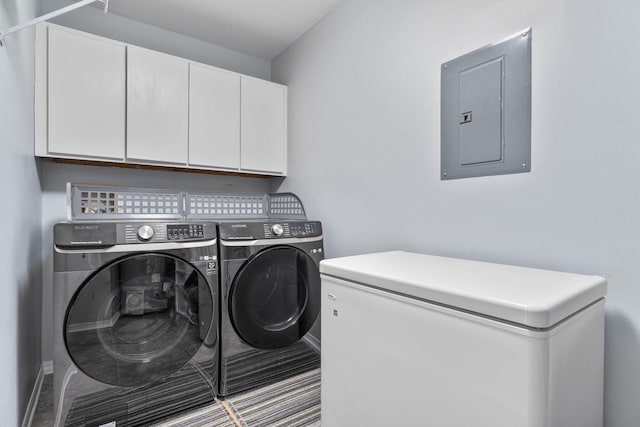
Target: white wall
x=93 y=20
x=20 y=255
x=364 y=135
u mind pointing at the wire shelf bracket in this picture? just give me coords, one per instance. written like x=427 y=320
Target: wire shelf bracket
x=48 y=16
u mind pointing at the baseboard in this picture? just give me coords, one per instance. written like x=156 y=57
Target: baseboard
x=312 y=341
x=47 y=365
x=35 y=395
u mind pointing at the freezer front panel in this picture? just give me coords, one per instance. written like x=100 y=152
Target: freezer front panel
x=392 y=360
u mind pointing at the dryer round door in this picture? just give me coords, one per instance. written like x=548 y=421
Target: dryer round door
x=138 y=319
x=275 y=297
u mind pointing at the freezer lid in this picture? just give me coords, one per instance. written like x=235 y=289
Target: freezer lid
x=527 y=296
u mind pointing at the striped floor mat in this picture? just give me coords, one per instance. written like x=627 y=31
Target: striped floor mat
x=294 y=402
x=189 y=388
x=258 y=368
x=209 y=416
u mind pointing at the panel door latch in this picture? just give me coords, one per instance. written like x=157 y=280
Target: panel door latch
x=465 y=117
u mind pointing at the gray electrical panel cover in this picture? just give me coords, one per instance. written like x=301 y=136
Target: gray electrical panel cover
x=486 y=110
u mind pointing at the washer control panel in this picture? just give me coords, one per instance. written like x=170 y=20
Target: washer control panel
x=184 y=231
x=156 y=232
x=104 y=234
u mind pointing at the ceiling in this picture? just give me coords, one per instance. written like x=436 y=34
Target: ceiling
x=260 y=28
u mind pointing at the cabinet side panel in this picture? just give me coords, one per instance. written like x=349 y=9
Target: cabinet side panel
x=392 y=360
x=285 y=125
x=41 y=91
x=576 y=366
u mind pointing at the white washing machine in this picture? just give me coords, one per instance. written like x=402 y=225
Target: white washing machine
x=410 y=339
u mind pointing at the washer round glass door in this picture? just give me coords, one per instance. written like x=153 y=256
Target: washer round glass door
x=275 y=297
x=138 y=319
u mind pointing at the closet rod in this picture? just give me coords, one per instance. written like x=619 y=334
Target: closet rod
x=49 y=16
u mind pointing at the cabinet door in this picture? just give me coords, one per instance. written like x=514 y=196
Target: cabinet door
x=157 y=107
x=86 y=96
x=214 y=118
x=263 y=126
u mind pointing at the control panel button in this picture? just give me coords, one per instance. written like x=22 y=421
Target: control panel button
x=277 y=229
x=145 y=232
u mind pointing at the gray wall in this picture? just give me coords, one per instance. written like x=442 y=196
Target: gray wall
x=93 y=20
x=20 y=254
x=364 y=134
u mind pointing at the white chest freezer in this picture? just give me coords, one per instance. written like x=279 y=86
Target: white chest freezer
x=419 y=340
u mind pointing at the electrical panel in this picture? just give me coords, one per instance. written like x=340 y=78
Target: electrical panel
x=486 y=110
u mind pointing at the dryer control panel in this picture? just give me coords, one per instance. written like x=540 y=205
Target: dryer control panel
x=304 y=229
x=270 y=230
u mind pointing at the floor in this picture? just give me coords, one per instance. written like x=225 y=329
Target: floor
x=43 y=416
x=294 y=402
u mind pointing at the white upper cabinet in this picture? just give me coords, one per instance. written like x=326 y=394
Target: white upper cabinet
x=103 y=100
x=80 y=104
x=157 y=107
x=214 y=118
x=263 y=126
